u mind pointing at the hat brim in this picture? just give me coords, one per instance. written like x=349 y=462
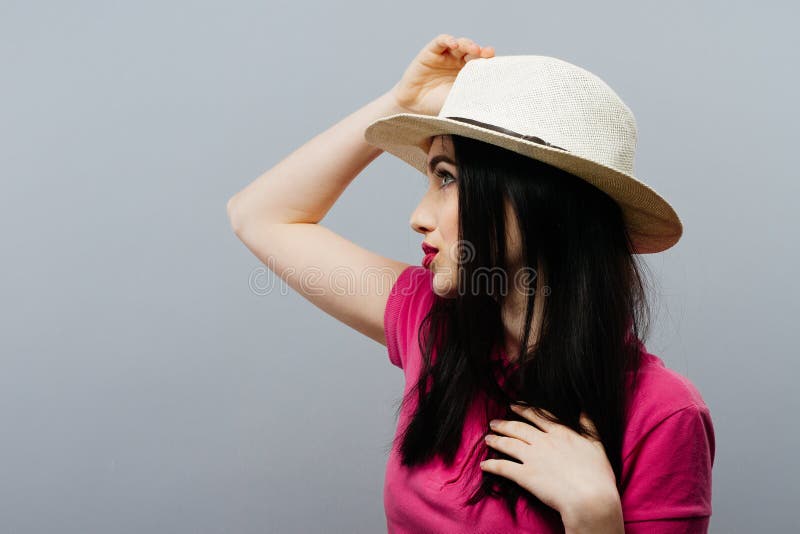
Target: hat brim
x=652 y=223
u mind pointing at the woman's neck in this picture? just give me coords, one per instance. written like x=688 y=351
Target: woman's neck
x=513 y=317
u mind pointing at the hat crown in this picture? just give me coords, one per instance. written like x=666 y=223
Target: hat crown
x=549 y=98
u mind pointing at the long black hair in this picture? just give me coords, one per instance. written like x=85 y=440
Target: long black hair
x=573 y=235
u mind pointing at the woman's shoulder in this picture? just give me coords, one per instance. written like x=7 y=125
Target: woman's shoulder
x=409 y=299
x=413 y=290
x=660 y=385
x=660 y=393
x=668 y=452
x=413 y=279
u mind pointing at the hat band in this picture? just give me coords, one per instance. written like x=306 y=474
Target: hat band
x=508 y=132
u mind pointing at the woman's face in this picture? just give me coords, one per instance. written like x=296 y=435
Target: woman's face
x=436 y=218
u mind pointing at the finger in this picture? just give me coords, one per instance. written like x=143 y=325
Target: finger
x=588 y=423
x=443 y=42
x=529 y=413
x=516 y=429
x=470 y=57
x=504 y=468
x=487 y=51
x=465 y=46
x=511 y=446
x=482 y=52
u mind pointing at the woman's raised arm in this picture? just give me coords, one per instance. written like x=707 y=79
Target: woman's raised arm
x=277 y=215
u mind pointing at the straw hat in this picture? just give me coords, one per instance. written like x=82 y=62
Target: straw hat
x=550 y=110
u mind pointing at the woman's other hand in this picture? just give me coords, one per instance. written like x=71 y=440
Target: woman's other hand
x=565 y=470
x=428 y=79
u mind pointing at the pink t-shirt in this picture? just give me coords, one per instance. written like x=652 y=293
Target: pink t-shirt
x=668 y=448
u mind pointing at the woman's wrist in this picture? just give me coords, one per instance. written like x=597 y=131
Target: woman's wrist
x=602 y=515
x=392 y=103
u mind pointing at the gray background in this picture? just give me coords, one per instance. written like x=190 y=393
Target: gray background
x=146 y=386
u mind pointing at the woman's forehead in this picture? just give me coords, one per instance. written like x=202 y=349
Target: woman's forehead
x=440 y=144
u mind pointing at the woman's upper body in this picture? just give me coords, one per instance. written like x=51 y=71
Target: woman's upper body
x=668 y=447
x=275 y=216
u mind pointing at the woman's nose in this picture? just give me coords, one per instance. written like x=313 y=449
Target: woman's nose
x=421 y=221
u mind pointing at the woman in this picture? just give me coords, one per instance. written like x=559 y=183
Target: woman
x=531 y=221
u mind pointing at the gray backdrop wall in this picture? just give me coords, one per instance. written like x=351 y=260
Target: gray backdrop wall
x=147 y=386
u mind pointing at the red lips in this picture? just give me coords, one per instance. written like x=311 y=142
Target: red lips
x=430 y=253
x=427 y=249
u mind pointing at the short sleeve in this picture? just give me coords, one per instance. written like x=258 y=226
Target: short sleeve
x=409 y=300
x=666 y=479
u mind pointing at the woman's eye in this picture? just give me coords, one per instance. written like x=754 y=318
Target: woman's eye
x=444 y=174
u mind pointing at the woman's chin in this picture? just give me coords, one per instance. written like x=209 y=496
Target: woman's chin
x=444 y=285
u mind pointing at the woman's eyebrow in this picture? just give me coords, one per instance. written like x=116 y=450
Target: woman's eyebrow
x=436 y=159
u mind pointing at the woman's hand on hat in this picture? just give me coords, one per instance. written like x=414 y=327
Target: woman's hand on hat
x=426 y=82
x=565 y=470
